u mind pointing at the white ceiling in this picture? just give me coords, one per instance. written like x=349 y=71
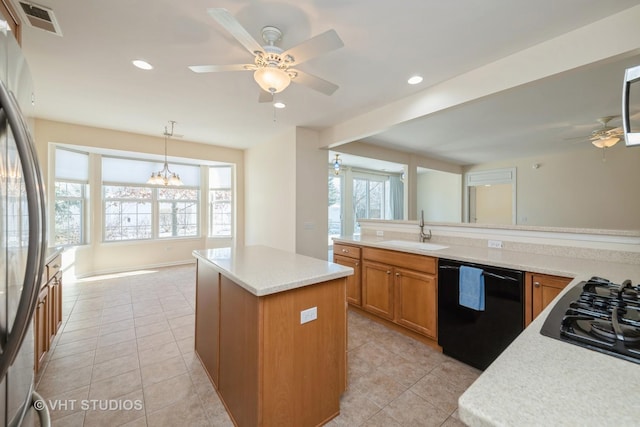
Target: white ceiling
x=86 y=76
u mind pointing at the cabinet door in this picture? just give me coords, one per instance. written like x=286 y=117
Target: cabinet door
x=416 y=299
x=41 y=327
x=55 y=306
x=208 y=319
x=354 y=291
x=377 y=289
x=544 y=288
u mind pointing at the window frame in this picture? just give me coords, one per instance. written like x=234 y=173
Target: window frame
x=83 y=198
x=212 y=203
x=158 y=201
x=121 y=200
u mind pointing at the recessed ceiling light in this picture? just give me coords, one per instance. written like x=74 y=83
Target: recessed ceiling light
x=143 y=65
x=279 y=104
x=414 y=80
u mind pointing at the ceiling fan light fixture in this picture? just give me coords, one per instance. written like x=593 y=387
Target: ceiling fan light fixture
x=606 y=142
x=272 y=79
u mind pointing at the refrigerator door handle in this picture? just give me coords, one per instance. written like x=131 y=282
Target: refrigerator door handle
x=37 y=243
x=41 y=408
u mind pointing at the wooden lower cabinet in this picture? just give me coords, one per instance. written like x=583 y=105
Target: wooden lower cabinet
x=354 y=286
x=350 y=256
x=272 y=370
x=540 y=290
x=378 y=289
x=416 y=301
x=47 y=317
x=41 y=326
x=55 y=306
x=403 y=290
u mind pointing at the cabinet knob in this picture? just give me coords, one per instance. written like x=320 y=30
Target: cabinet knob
x=357 y=264
x=388 y=271
x=397 y=274
x=345 y=251
x=536 y=284
x=56 y=266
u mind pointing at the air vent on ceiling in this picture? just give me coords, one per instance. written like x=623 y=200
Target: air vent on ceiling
x=41 y=17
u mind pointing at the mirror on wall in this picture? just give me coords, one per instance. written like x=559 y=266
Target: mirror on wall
x=439 y=195
x=363 y=188
x=491 y=196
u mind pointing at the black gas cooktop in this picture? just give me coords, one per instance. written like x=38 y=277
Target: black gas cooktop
x=599 y=315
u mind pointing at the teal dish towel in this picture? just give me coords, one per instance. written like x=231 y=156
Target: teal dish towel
x=471 y=286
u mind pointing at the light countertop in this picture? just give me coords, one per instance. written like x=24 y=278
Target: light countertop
x=539 y=380
x=262 y=270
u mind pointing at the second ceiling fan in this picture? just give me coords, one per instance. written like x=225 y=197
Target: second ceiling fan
x=272 y=66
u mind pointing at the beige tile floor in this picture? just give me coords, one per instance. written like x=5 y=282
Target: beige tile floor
x=124 y=356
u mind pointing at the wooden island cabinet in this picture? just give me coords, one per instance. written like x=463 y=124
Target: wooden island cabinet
x=271 y=333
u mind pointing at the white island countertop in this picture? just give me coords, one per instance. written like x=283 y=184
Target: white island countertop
x=263 y=270
x=541 y=381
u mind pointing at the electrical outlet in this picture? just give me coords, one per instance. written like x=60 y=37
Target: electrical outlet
x=497 y=244
x=308 y=315
x=379 y=233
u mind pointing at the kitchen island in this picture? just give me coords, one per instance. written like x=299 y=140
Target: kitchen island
x=271 y=334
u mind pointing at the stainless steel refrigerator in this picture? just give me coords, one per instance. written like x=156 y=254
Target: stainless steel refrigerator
x=22 y=237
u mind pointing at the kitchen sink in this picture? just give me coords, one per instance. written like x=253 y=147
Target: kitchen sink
x=414 y=245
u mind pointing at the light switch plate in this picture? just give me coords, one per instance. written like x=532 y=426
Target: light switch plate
x=308 y=315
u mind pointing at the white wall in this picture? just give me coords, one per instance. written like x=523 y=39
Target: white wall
x=312 y=195
x=270 y=198
x=439 y=194
x=577 y=189
x=98 y=257
x=286 y=194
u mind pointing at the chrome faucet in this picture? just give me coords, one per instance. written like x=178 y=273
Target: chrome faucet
x=423 y=236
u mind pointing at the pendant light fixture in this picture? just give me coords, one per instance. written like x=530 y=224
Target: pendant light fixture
x=165 y=176
x=337 y=163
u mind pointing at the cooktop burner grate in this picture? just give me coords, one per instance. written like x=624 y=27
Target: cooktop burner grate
x=599 y=315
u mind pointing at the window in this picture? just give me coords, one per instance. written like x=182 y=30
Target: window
x=134 y=210
x=178 y=212
x=368 y=199
x=127 y=212
x=220 y=201
x=69 y=213
x=71 y=184
x=335 y=206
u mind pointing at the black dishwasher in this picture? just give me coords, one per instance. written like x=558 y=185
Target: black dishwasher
x=478 y=337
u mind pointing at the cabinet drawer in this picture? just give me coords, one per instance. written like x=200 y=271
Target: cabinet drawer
x=415 y=262
x=53 y=267
x=346 y=250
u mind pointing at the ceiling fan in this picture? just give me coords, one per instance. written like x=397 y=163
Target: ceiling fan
x=605 y=136
x=272 y=66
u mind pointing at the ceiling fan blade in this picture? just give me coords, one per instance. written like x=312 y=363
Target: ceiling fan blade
x=218 y=68
x=231 y=24
x=314 y=82
x=315 y=46
x=265 y=96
